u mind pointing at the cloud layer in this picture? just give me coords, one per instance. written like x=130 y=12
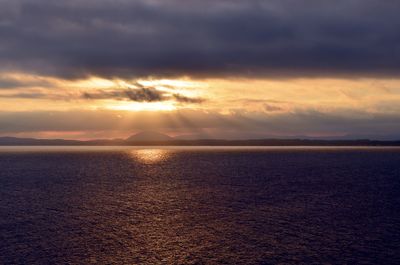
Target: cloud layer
x=139 y=38
x=143 y=94
x=213 y=124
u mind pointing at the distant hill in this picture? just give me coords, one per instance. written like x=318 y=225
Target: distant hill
x=31 y=141
x=149 y=136
x=192 y=136
x=159 y=139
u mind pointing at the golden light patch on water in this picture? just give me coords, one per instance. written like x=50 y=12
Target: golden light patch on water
x=150 y=156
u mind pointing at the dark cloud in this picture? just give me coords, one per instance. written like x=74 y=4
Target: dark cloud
x=142 y=94
x=200 y=38
x=185 y=99
x=11 y=83
x=139 y=95
x=7 y=83
x=272 y=107
x=34 y=95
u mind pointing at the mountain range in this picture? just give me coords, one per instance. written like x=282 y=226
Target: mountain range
x=155 y=138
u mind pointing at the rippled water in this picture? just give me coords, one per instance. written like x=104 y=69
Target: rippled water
x=199 y=205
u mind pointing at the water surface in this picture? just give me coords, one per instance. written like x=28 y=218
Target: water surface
x=236 y=205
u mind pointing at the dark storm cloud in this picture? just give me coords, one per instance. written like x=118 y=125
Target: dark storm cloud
x=272 y=107
x=143 y=94
x=11 y=83
x=185 y=99
x=139 y=95
x=25 y=95
x=200 y=38
x=7 y=83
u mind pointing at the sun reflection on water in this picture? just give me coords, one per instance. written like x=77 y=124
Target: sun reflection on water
x=150 y=156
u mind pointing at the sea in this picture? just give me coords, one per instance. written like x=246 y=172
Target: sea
x=199 y=205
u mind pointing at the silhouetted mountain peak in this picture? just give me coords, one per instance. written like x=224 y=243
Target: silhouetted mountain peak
x=148 y=136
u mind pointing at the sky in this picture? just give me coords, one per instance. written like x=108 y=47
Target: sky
x=86 y=69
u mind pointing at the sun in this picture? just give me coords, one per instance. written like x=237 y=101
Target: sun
x=143 y=106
